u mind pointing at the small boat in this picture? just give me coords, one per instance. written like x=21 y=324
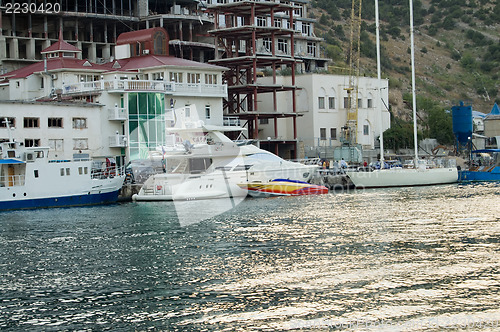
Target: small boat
x=28 y=179
x=484 y=166
x=283 y=187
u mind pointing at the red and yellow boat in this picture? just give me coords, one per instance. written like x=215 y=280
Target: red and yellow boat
x=283 y=187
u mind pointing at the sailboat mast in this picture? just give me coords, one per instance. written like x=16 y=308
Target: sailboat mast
x=414 y=97
x=381 y=137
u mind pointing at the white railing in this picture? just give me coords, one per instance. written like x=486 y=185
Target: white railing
x=121 y=85
x=117 y=113
x=118 y=141
x=11 y=180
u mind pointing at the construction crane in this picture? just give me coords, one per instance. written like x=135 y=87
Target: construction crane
x=351 y=128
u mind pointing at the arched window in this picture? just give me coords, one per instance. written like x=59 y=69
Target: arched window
x=160 y=43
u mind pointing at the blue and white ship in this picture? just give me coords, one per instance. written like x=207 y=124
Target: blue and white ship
x=484 y=166
x=28 y=179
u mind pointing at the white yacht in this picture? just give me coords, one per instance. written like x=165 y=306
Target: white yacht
x=201 y=163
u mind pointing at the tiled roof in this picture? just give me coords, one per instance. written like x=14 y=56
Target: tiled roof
x=138 y=36
x=151 y=61
x=53 y=64
x=62 y=46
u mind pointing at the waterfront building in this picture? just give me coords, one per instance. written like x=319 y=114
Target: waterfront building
x=323 y=104
x=114 y=109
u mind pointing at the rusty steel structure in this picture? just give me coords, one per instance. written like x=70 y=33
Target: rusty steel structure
x=237 y=34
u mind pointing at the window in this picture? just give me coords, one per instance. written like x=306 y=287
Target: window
x=360 y=103
x=56 y=144
x=88 y=78
x=306 y=28
x=193 y=78
x=321 y=103
x=261 y=21
x=157 y=76
x=369 y=103
x=67 y=171
x=187 y=111
x=267 y=44
x=322 y=133
x=347 y=102
x=79 y=123
x=62 y=171
x=55 y=122
x=311 y=48
x=277 y=22
x=80 y=170
x=3 y=124
x=80 y=144
x=31 y=142
x=210 y=79
x=176 y=77
x=366 y=130
x=31 y=122
x=35 y=173
x=207 y=111
x=333 y=133
x=282 y=45
x=331 y=103
x=263 y=121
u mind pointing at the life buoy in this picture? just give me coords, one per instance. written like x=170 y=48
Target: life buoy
x=158 y=187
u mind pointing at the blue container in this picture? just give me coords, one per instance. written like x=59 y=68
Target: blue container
x=462 y=123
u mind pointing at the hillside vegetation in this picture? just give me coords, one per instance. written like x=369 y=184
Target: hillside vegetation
x=457 y=52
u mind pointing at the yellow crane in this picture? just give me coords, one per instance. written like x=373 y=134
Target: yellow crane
x=350 y=131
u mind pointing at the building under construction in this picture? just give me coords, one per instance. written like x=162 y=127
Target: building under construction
x=257 y=37
x=94 y=25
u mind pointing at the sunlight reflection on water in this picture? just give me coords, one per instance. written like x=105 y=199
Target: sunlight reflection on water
x=394 y=259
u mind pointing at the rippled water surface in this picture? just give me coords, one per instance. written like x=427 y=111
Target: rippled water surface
x=393 y=259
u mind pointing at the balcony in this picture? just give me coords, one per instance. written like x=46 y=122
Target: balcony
x=118 y=141
x=117 y=114
x=125 y=85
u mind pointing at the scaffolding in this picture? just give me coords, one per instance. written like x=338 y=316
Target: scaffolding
x=239 y=33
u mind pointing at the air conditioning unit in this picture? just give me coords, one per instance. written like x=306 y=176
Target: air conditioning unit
x=54 y=76
x=30 y=157
x=145 y=51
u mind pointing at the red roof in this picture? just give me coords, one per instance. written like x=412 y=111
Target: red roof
x=139 y=36
x=151 y=61
x=131 y=64
x=62 y=46
x=53 y=64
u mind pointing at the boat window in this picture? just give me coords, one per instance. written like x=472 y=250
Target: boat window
x=85 y=170
x=223 y=168
x=67 y=171
x=35 y=173
x=80 y=170
x=39 y=154
x=62 y=171
x=198 y=165
x=242 y=168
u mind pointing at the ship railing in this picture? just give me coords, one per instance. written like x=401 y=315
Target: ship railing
x=12 y=180
x=107 y=172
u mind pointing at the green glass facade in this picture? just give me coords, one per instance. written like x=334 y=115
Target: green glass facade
x=146 y=123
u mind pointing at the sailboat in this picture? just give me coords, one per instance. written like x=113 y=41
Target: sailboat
x=420 y=174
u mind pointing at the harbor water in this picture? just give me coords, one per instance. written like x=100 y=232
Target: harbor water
x=400 y=259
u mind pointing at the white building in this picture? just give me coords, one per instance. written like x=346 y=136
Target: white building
x=323 y=103
x=116 y=109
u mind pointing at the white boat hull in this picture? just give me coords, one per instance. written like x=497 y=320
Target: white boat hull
x=403 y=177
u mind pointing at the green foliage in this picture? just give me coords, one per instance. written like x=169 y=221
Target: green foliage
x=468 y=62
x=334 y=52
x=478 y=38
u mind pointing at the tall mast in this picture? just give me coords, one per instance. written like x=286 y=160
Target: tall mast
x=414 y=97
x=381 y=137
